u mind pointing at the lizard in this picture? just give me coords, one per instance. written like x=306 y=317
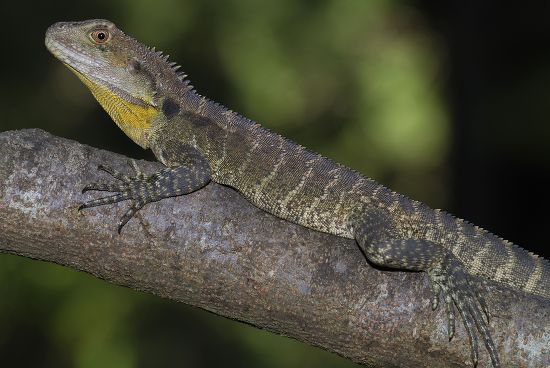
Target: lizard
x=200 y=141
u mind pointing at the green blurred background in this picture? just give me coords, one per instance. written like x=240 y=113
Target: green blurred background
x=447 y=102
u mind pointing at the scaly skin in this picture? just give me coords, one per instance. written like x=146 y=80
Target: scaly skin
x=199 y=140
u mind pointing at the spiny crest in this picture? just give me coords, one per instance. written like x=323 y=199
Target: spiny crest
x=172 y=65
x=483 y=232
x=219 y=106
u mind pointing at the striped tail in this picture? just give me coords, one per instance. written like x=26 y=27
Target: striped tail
x=487 y=255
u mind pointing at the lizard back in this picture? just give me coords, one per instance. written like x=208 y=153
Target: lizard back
x=271 y=171
x=299 y=185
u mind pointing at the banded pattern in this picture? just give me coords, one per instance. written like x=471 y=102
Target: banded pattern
x=301 y=186
x=489 y=256
x=273 y=172
x=294 y=183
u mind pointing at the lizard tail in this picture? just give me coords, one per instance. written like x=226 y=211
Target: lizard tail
x=526 y=271
x=503 y=262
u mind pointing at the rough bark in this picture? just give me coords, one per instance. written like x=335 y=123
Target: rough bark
x=214 y=250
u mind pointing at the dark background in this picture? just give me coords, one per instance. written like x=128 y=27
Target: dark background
x=446 y=102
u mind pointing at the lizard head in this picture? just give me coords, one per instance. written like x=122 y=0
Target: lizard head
x=120 y=72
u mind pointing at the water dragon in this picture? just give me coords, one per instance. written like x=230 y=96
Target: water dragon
x=200 y=141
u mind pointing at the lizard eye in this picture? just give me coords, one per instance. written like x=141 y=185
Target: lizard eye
x=100 y=36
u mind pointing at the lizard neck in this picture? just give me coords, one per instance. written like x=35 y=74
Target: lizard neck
x=185 y=117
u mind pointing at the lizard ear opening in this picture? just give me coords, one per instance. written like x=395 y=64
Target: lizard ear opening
x=134 y=66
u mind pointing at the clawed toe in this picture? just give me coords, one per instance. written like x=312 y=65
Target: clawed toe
x=105 y=187
x=136 y=188
x=114 y=173
x=136 y=206
x=143 y=189
x=450 y=316
x=457 y=291
x=105 y=200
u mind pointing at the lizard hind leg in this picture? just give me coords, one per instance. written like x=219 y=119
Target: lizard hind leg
x=383 y=246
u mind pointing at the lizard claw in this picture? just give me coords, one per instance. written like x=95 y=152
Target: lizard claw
x=436 y=290
x=455 y=286
x=136 y=206
x=483 y=305
x=114 y=173
x=137 y=171
x=450 y=316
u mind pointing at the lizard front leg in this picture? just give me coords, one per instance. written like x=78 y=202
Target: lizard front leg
x=383 y=245
x=192 y=173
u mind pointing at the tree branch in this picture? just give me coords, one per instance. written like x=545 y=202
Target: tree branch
x=214 y=250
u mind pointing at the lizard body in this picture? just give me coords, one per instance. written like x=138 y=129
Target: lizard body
x=199 y=140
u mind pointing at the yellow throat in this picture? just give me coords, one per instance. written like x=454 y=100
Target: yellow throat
x=134 y=120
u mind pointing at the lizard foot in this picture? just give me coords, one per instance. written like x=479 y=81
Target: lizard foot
x=451 y=280
x=447 y=275
x=139 y=188
x=142 y=189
